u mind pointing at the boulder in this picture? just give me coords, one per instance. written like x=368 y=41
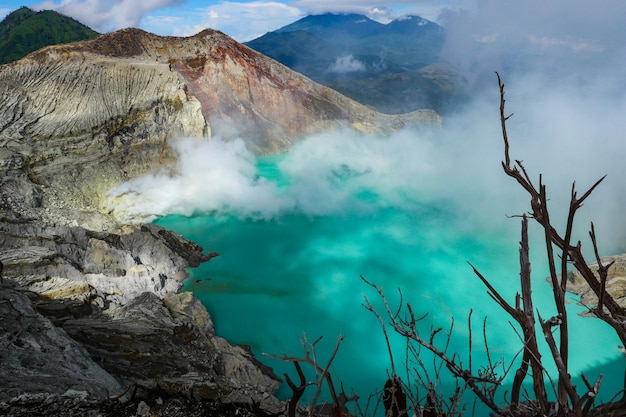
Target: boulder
x=615 y=284
x=39 y=358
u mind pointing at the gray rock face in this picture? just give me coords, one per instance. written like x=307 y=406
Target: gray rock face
x=150 y=343
x=104 y=315
x=72 y=263
x=38 y=357
x=73 y=125
x=170 y=344
x=615 y=284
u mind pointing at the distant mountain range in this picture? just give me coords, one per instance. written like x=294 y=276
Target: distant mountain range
x=393 y=67
x=25 y=31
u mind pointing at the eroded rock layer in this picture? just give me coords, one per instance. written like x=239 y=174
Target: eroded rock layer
x=615 y=283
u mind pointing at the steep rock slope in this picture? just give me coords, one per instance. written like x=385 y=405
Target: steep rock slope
x=37 y=356
x=72 y=125
x=80 y=118
x=167 y=346
x=241 y=90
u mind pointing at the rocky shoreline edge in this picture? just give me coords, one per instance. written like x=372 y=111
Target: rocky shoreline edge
x=93 y=324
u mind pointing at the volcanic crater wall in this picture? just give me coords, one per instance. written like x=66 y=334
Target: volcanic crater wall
x=77 y=120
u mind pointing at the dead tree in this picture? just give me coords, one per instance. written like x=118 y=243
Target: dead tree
x=339 y=400
x=406 y=325
x=607 y=308
x=397 y=395
x=561 y=252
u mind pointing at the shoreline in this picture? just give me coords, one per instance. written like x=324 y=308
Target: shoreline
x=165 y=337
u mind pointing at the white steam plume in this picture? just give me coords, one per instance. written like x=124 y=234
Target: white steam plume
x=209 y=176
x=559 y=63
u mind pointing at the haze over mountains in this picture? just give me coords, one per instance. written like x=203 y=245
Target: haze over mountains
x=393 y=67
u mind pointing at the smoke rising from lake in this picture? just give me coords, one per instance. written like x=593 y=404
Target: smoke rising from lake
x=562 y=134
x=562 y=63
x=409 y=210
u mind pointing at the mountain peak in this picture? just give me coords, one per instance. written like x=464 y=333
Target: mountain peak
x=413 y=19
x=329 y=25
x=18 y=15
x=382 y=65
x=134 y=42
x=121 y=43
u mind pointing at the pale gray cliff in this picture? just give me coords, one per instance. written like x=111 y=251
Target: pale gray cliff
x=615 y=283
x=72 y=125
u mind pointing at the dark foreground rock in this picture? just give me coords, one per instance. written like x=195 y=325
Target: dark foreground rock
x=92 y=324
x=154 y=404
x=109 y=361
x=37 y=356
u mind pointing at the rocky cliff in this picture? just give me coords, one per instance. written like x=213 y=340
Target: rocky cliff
x=91 y=303
x=77 y=119
x=615 y=282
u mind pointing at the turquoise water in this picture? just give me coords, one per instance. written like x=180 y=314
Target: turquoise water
x=293 y=248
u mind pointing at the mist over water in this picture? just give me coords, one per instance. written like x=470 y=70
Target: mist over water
x=397 y=210
x=296 y=231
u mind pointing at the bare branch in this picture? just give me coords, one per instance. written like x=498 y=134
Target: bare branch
x=322 y=374
x=369 y=307
x=469 y=329
x=564 y=377
x=407 y=328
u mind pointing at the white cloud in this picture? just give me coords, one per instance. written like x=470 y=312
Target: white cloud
x=4 y=12
x=106 y=16
x=162 y=20
x=565 y=38
x=380 y=11
x=345 y=64
x=329 y=6
x=575 y=45
x=242 y=21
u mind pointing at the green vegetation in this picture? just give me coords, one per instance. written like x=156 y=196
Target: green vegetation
x=25 y=31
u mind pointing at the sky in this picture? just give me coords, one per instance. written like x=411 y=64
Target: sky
x=243 y=20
